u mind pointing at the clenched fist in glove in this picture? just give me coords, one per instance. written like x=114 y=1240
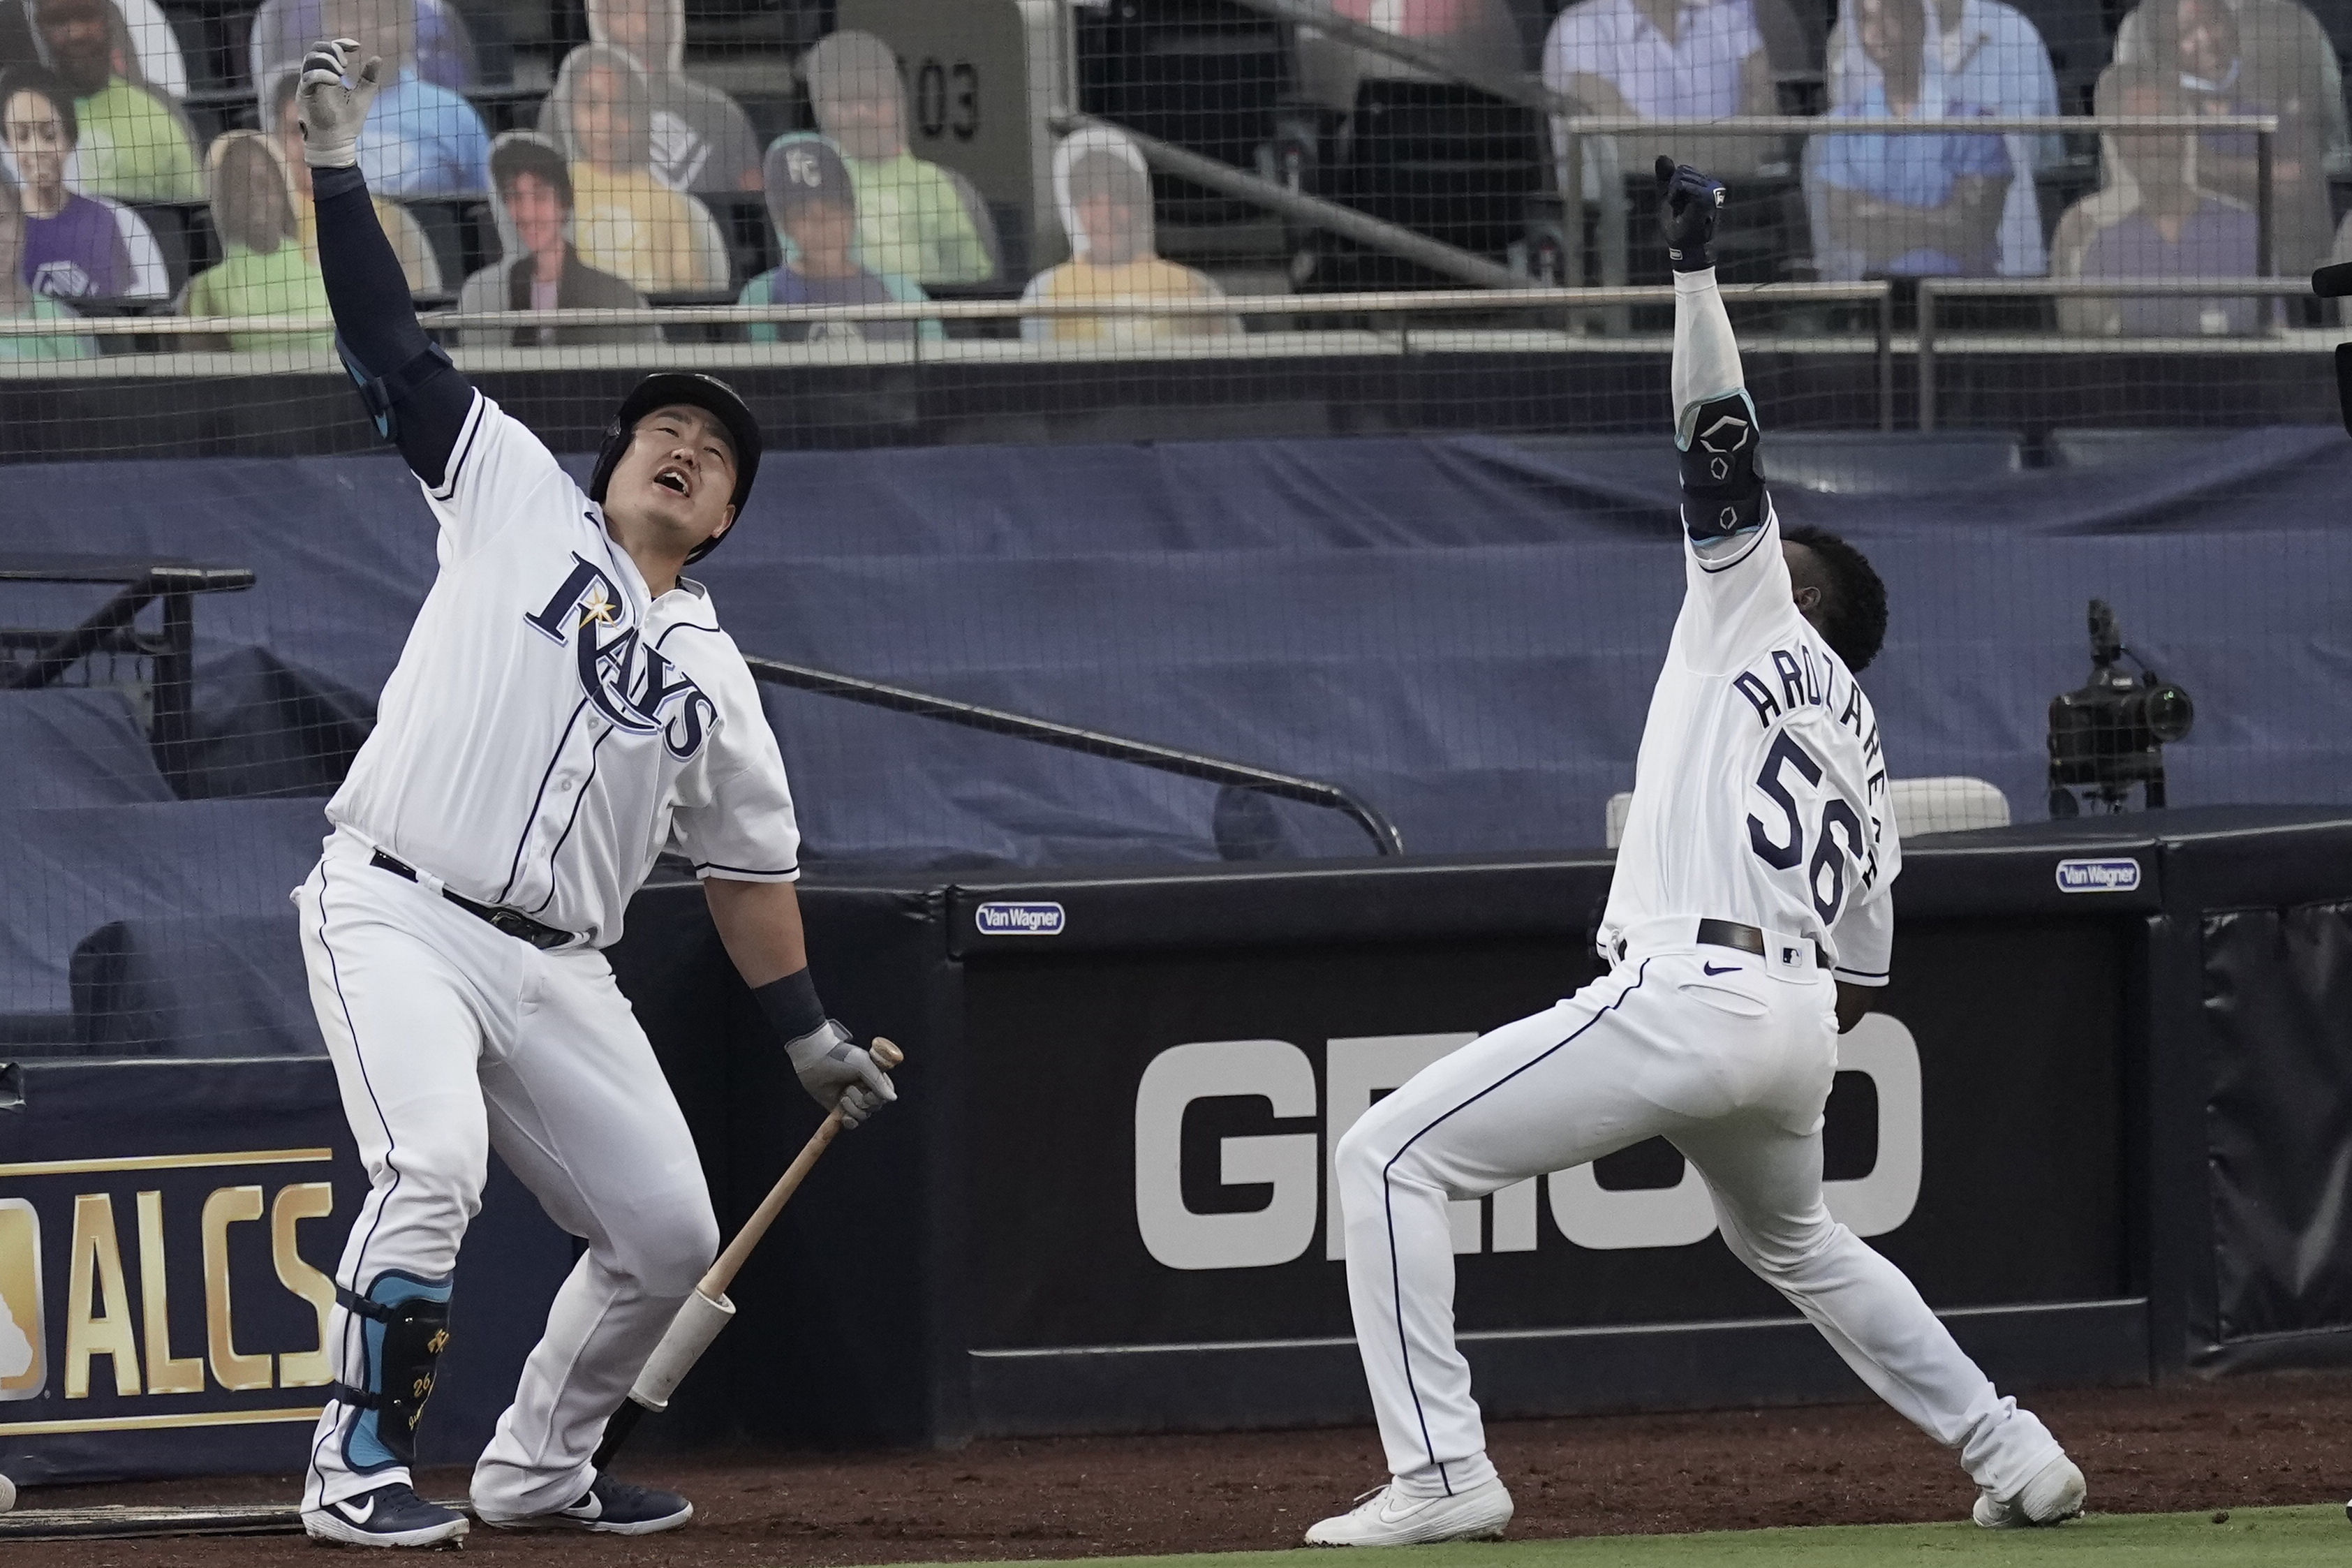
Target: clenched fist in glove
x=835 y=1071
x=1686 y=209
x=331 y=112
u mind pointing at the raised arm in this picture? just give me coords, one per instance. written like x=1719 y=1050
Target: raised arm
x=1724 y=504
x=416 y=397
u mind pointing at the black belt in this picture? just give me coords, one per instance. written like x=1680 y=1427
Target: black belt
x=512 y=922
x=1732 y=934
x=1747 y=939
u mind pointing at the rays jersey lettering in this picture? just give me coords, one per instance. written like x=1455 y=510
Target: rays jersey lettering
x=554 y=726
x=628 y=680
x=1760 y=794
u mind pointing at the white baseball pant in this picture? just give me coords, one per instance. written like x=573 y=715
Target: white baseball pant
x=451 y=1038
x=1731 y=1057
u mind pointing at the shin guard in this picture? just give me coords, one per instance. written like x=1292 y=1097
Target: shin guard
x=404 y=1328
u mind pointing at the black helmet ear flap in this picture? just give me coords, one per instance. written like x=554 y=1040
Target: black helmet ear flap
x=608 y=457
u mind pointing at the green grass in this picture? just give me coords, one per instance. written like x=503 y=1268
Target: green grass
x=2270 y=1537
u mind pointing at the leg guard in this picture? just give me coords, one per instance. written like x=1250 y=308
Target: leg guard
x=405 y=1327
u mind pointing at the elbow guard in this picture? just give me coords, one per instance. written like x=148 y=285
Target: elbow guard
x=384 y=394
x=1722 y=487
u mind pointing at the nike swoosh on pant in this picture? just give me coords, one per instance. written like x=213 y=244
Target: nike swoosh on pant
x=1727 y=969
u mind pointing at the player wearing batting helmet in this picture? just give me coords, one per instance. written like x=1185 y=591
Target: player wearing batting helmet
x=566 y=708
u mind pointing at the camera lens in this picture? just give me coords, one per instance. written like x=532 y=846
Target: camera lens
x=2169 y=712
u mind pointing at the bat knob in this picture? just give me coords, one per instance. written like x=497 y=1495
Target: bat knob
x=889 y=1055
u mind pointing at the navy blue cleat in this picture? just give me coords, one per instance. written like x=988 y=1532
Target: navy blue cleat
x=390 y=1515
x=610 y=1508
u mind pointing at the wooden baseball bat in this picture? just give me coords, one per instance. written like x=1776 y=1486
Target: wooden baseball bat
x=722 y=1272
x=730 y=1262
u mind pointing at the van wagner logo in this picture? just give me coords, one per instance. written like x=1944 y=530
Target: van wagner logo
x=2097 y=875
x=1018 y=919
x=23 y=1370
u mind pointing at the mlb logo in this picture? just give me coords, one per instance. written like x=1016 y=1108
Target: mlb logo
x=24 y=1363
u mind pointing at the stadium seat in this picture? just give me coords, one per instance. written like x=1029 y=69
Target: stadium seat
x=2092 y=448
x=1206 y=75
x=168 y=222
x=1446 y=161
x=453 y=234
x=1870 y=463
x=75 y=746
x=1950 y=804
x=1853 y=463
x=264 y=728
x=204 y=863
x=209 y=987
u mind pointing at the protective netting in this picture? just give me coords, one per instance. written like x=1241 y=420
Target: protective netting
x=1279 y=382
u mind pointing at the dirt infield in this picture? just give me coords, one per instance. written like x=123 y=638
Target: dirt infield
x=2285 y=1440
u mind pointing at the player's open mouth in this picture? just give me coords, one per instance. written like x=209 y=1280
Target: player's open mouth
x=671 y=479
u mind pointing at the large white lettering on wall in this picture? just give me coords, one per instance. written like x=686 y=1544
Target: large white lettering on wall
x=1297 y=1165
x=1274 y=1071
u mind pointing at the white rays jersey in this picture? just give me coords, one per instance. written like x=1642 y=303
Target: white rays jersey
x=1760 y=794
x=551 y=726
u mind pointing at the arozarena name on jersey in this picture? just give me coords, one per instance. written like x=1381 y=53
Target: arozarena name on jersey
x=1806 y=682
x=628 y=680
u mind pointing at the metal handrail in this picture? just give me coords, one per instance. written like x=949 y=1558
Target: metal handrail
x=2265 y=128
x=1368 y=302
x=1436 y=301
x=1932 y=290
x=1888 y=125
x=113 y=629
x=1526 y=91
x=1385 y=837
x=1312 y=211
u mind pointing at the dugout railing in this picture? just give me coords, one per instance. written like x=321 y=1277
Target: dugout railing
x=1932 y=347
x=1506 y=361
x=1386 y=839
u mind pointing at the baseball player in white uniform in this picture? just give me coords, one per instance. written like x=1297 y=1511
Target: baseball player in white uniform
x=1749 y=915
x=566 y=708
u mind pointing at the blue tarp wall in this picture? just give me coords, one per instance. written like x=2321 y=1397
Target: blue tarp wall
x=1463 y=630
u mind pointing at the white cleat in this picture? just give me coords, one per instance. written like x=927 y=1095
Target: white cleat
x=2053 y=1496
x=1387 y=1517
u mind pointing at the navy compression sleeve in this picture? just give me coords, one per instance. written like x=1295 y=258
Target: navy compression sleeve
x=419 y=399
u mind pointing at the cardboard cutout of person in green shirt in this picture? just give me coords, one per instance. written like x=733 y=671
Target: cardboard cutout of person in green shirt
x=914 y=219
x=134 y=146
x=264 y=270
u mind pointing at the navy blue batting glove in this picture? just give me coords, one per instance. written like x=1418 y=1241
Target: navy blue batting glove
x=1687 y=206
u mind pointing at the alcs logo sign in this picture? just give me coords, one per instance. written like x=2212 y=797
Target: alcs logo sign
x=116 y=1308
x=1298 y=1165
x=23 y=1366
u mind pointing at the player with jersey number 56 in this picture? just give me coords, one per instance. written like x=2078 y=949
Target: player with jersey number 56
x=1749 y=915
x=566 y=708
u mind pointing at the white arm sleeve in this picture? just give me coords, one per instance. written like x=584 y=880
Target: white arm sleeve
x=1738 y=597
x=1707 y=356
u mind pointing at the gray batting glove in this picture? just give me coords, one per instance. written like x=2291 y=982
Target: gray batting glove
x=835 y=1072
x=330 y=113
